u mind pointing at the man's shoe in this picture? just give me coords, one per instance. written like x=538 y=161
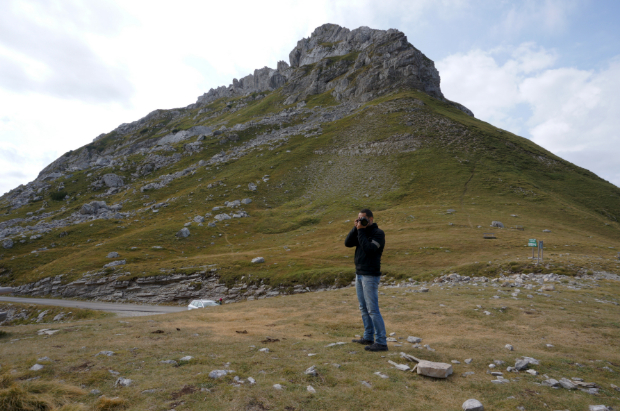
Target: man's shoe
x=363 y=341
x=376 y=347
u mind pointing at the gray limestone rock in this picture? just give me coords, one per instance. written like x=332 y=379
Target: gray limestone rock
x=8 y=243
x=183 y=233
x=94 y=208
x=115 y=263
x=199 y=219
x=414 y=340
x=258 y=260
x=252 y=187
x=434 y=369
x=497 y=224
x=112 y=180
x=311 y=371
x=106 y=353
x=123 y=382
x=568 y=384
x=222 y=217
x=473 y=405
x=215 y=374
x=599 y=408
x=246 y=201
x=113 y=254
x=551 y=382
x=36 y=367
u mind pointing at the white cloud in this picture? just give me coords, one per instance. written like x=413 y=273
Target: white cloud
x=573 y=113
x=546 y=16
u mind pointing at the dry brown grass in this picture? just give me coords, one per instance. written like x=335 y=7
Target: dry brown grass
x=37 y=395
x=107 y=404
x=585 y=332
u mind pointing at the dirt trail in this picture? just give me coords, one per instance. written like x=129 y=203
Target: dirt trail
x=463 y=196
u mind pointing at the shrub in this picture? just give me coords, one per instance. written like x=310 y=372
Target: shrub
x=58 y=195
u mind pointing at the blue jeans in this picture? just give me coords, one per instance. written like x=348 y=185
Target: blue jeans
x=367 y=287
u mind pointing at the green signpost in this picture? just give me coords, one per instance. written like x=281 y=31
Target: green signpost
x=535 y=245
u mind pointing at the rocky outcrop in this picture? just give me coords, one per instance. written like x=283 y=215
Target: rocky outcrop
x=355 y=65
x=171 y=287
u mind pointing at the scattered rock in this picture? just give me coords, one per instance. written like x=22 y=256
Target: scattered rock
x=183 y=233
x=568 y=384
x=546 y=230
x=311 y=371
x=278 y=386
x=547 y=287
x=171 y=362
x=473 y=405
x=414 y=340
x=600 y=408
x=113 y=254
x=186 y=358
x=366 y=384
x=468 y=361
x=402 y=367
x=258 y=260
x=95 y=392
x=246 y=201
x=199 y=219
x=8 y=243
x=115 y=263
x=497 y=224
x=222 y=217
x=265 y=350
x=123 y=382
x=252 y=187
x=551 y=382
x=36 y=367
x=310 y=389
x=215 y=374
x=107 y=353
x=382 y=375
x=509 y=347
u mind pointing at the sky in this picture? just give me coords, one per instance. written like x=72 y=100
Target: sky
x=547 y=70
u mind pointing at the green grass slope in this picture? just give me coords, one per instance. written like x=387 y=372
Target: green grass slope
x=405 y=155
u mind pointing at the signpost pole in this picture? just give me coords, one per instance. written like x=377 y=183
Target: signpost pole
x=534 y=244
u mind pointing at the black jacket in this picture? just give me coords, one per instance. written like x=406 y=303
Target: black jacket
x=369 y=244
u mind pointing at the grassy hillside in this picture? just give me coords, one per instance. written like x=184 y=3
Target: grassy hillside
x=407 y=156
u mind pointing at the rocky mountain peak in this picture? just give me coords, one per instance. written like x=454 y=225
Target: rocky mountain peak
x=356 y=65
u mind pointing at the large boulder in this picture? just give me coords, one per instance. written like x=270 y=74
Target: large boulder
x=8 y=243
x=434 y=369
x=112 y=180
x=94 y=207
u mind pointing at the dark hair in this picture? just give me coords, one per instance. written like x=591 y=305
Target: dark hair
x=367 y=212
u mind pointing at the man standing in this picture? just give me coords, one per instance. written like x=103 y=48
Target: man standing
x=369 y=242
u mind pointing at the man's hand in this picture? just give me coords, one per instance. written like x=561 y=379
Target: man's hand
x=359 y=225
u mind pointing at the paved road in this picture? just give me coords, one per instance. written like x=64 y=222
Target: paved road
x=125 y=310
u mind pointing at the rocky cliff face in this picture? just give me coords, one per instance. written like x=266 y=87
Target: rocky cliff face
x=356 y=65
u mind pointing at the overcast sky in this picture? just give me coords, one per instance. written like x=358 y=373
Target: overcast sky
x=71 y=70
